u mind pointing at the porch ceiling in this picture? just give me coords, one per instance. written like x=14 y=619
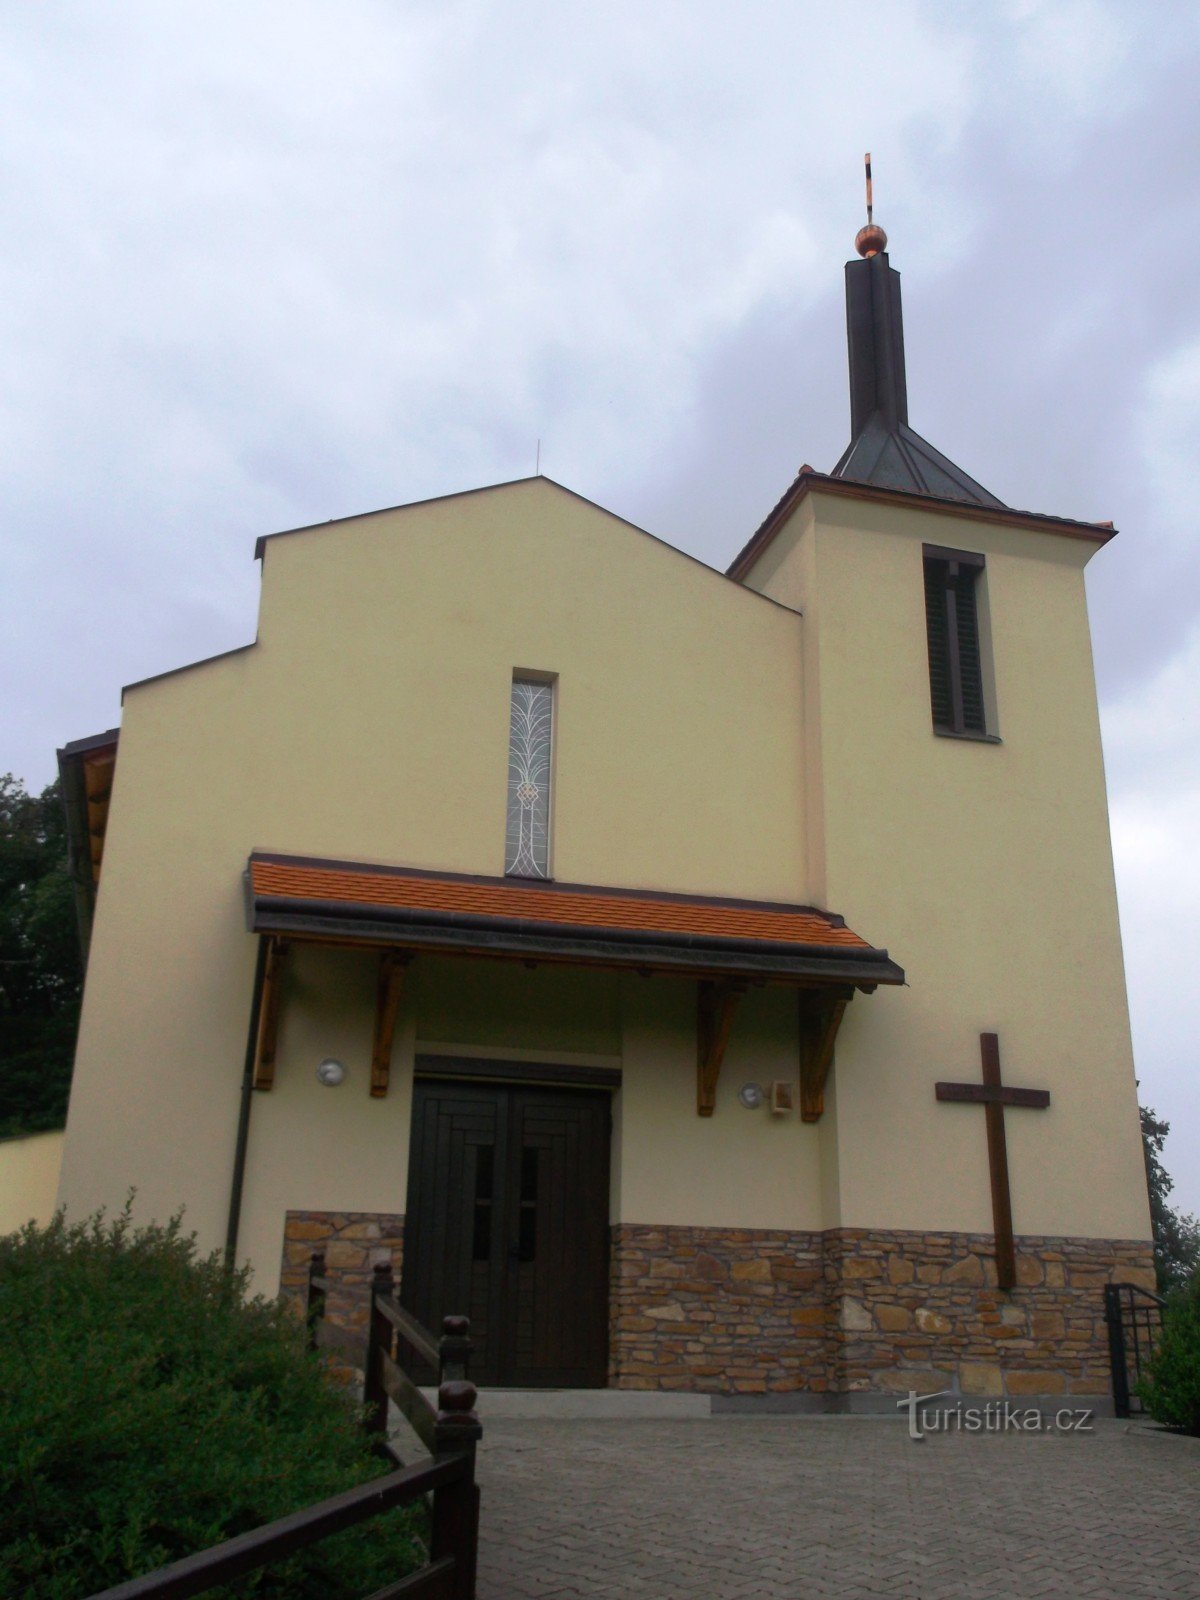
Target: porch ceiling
x=356 y=903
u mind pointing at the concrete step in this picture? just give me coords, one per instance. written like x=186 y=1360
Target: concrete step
x=577 y=1404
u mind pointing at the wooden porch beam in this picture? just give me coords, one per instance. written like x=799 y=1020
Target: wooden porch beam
x=821 y=1013
x=268 y=1019
x=393 y=965
x=716 y=1002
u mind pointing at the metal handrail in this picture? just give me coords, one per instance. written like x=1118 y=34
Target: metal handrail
x=1129 y=1307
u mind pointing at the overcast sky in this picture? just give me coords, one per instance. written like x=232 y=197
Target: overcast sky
x=266 y=264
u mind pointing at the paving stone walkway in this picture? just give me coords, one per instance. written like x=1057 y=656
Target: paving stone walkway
x=788 y=1508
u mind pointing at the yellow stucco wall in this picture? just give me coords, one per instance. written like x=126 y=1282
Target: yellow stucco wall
x=313 y=1148
x=986 y=868
x=29 y=1170
x=370 y=721
x=708 y=739
x=391 y=642
x=737 y=1169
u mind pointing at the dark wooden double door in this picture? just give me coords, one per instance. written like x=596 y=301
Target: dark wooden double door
x=507 y=1223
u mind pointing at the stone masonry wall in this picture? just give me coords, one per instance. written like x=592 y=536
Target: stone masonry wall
x=922 y=1311
x=759 y=1311
x=739 y=1311
x=718 y=1310
x=353 y=1241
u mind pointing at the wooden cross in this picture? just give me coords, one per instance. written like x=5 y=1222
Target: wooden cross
x=993 y=1096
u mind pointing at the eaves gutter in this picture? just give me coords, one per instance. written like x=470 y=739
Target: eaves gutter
x=630 y=948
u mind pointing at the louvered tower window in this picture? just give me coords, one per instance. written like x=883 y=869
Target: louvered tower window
x=952 y=626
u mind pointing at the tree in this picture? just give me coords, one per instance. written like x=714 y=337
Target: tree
x=1171 y=1386
x=1176 y=1237
x=40 y=974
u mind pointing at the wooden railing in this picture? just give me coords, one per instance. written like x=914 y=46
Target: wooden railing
x=449 y=1431
x=441 y=1428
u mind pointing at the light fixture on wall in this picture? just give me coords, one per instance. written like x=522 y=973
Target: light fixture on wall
x=751 y=1095
x=331 y=1073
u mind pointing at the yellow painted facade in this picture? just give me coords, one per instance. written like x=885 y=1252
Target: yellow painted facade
x=768 y=740
x=986 y=869
x=29 y=1172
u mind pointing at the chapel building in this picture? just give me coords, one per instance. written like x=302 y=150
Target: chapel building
x=703 y=981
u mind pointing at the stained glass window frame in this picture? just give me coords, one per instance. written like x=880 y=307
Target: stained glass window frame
x=530 y=777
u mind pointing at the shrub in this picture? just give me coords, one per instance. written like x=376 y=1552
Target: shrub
x=148 y=1409
x=1171 y=1392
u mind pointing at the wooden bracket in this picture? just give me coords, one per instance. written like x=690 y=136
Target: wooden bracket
x=716 y=1002
x=268 y=1016
x=820 y=1017
x=392 y=967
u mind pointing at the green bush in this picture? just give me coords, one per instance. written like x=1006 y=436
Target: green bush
x=148 y=1409
x=1171 y=1392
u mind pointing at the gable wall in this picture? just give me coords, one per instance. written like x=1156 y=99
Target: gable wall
x=371 y=722
x=393 y=642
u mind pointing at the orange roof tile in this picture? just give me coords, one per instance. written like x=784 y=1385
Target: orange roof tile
x=291 y=878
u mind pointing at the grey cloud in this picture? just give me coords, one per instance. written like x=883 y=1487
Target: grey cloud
x=268 y=267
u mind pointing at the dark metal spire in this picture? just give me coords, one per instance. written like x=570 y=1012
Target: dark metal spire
x=875 y=335
x=883 y=449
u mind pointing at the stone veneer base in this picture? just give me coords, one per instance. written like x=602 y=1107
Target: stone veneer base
x=854 y=1311
x=817 y=1320
x=353 y=1241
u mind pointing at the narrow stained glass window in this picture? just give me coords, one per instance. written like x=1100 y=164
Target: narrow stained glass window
x=527 y=840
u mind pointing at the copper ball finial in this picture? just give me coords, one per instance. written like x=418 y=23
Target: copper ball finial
x=871 y=240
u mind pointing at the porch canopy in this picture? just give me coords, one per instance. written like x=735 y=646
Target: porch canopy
x=725 y=944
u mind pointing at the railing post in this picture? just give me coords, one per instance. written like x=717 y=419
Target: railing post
x=1116 y=1349
x=379 y=1342
x=455 y=1349
x=314 y=1304
x=455 y=1530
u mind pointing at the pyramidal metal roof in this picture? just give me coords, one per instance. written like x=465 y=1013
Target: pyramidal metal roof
x=898 y=458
